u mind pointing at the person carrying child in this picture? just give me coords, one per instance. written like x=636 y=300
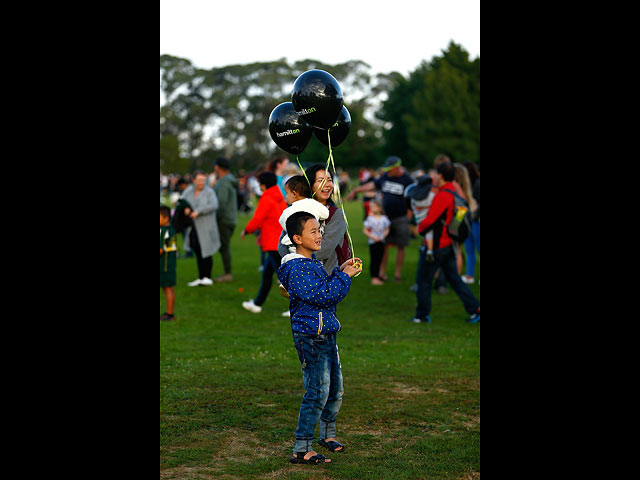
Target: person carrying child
x=420 y=195
x=376 y=228
x=168 y=257
x=314 y=295
x=441 y=213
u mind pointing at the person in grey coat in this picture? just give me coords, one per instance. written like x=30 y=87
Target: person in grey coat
x=204 y=237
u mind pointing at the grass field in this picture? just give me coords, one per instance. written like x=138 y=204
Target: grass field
x=231 y=385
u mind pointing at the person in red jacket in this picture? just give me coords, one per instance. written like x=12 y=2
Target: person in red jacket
x=266 y=219
x=439 y=216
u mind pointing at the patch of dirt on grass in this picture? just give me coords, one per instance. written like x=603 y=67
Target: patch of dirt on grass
x=470 y=476
x=289 y=470
x=470 y=423
x=404 y=389
x=242 y=446
x=373 y=433
x=189 y=472
x=245 y=447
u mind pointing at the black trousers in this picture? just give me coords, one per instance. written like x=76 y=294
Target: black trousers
x=377 y=252
x=205 y=265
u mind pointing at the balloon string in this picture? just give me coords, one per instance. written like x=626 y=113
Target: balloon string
x=340 y=202
x=304 y=173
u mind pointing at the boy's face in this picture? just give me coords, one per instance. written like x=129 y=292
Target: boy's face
x=311 y=238
x=164 y=221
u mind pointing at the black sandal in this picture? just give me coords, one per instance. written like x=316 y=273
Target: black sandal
x=331 y=446
x=315 y=460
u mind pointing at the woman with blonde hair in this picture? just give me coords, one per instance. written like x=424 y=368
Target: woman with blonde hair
x=463 y=186
x=473 y=241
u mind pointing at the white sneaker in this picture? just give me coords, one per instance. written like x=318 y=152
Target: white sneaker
x=195 y=283
x=252 y=307
x=286 y=314
x=468 y=280
x=206 y=281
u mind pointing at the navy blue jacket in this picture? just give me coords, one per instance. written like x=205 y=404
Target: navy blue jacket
x=313 y=295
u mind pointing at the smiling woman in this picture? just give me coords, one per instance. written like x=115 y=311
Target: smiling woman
x=335 y=228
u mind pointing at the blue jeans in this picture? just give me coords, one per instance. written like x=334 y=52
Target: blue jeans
x=470 y=245
x=322 y=376
x=446 y=260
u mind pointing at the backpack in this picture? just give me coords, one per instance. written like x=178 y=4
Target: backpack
x=460 y=226
x=344 y=251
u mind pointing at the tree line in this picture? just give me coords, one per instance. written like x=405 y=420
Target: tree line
x=224 y=111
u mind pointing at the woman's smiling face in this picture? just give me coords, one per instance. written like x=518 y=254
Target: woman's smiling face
x=322 y=187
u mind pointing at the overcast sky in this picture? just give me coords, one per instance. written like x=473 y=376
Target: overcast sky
x=389 y=35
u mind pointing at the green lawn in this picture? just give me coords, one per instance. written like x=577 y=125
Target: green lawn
x=231 y=385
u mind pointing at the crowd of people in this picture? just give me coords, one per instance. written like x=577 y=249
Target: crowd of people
x=304 y=243
x=396 y=206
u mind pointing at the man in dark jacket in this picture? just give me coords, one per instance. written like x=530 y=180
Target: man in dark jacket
x=439 y=216
x=227 y=190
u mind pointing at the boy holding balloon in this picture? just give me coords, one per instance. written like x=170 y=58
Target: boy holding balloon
x=314 y=296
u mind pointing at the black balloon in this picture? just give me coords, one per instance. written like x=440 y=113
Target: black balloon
x=317 y=97
x=288 y=130
x=338 y=130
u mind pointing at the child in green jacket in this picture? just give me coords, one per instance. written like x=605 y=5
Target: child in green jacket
x=168 y=256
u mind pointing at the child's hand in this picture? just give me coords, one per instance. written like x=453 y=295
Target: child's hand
x=352 y=271
x=351 y=261
x=352 y=267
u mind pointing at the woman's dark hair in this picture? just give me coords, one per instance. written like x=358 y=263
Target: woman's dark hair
x=273 y=165
x=311 y=175
x=474 y=172
x=268 y=179
x=295 y=223
x=299 y=185
x=198 y=172
x=313 y=170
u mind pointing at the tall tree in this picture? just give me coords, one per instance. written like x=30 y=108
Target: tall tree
x=436 y=110
x=393 y=112
x=226 y=110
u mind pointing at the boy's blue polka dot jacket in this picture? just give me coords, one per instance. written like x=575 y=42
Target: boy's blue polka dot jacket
x=313 y=295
